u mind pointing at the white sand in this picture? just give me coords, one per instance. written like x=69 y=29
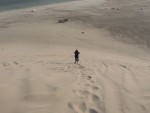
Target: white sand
x=37 y=70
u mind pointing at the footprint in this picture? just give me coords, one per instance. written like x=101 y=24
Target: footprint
x=78 y=107
x=92 y=81
x=83 y=106
x=82 y=94
x=95 y=97
x=124 y=66
x=92 y=111
x=5 y=64
x=16 y=63
x=95 y=88
x=89 y=77
x=70 y=105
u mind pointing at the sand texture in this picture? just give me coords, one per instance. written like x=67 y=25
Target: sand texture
x=37 y=70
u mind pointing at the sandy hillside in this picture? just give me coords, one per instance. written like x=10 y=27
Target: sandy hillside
x=37 y=70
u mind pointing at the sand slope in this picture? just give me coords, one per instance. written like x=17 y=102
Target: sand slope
x=37 y=70
x=50 y=82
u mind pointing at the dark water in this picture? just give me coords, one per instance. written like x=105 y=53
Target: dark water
x=16 y=4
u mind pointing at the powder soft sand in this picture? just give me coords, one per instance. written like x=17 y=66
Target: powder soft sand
x=37 y=70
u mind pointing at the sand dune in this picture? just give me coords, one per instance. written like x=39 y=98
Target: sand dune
x=37 y=70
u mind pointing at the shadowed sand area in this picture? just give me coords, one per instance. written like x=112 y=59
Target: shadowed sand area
x=37 y=70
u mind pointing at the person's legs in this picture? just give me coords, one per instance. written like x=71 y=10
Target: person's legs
x=76 y=60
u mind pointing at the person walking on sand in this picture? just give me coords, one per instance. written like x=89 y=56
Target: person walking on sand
x=76 y=53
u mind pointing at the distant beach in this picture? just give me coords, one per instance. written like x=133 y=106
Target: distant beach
x=18 y=4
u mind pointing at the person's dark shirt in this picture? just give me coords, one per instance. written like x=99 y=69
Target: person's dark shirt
x=76 y=54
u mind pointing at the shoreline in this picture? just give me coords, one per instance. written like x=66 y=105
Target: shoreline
x=22 y=6
x=73 y=3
